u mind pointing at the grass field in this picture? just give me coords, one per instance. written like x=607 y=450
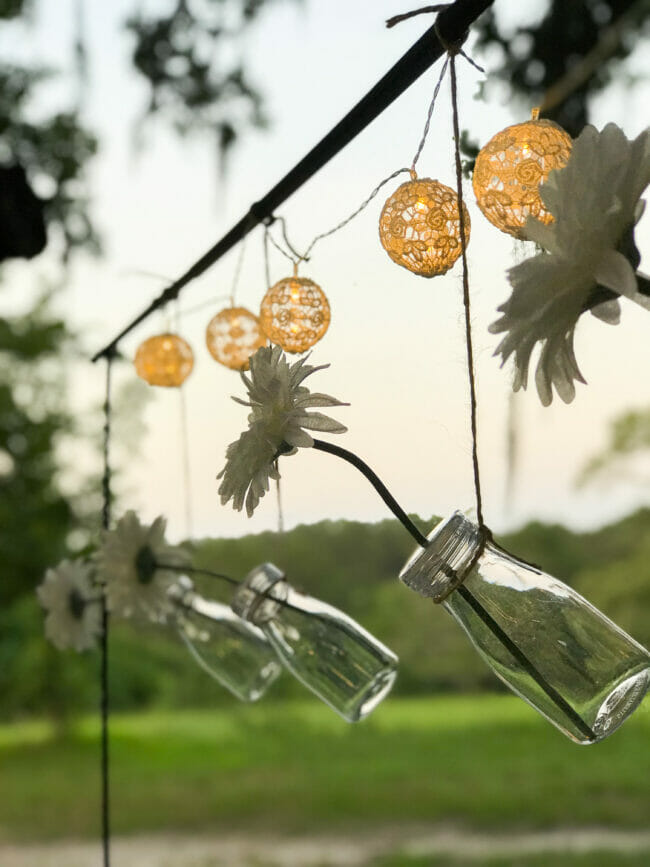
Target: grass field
x=592 y=859
x=484 y=762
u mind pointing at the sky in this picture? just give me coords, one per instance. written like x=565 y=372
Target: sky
x=395 y=343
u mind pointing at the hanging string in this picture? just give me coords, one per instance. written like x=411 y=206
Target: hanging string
x=466 y=295
x=429 y=114
x=187 y=476
x=209 y=303
x=440 y=7
x=397 y=19
x=238 y=267
x=267 y=269
x=355 y=213
x=80 y=54
x=269 y=237
x=103 y=644
x=278 y=499
x=294 y=256
x=185 y=444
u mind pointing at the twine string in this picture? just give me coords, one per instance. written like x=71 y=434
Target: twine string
x=466 y=294
x=267 y=268
x=237 y=274
x=486 y=536
x=354 y=213
x=397 y=19
x=185 y=455
x=103 y=644
x=296 y=257
x=208 y=303
x=427 y=124
x=278 y=499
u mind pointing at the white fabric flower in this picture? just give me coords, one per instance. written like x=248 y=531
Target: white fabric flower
x=131 y=563
x=595 y=202
x=278 y=419
x=72 y=603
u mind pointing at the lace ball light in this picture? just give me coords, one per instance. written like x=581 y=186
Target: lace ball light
x=232 y=336
x=165 y=360
x=419 y=227
x=295 y=313
x=510 y=168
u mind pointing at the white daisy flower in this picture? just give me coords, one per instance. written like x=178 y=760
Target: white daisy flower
x=277 y=425
x=136 y=566
x=595 y=204
x=72 y=603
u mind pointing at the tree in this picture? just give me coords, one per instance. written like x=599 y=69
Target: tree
x=44 y=197
x=45 y=203
x=569 y=55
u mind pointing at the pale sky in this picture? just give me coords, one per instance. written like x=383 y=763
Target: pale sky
x=395 y=343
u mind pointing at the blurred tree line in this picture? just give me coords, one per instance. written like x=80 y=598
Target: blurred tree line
x=356 y=570
x=190 y=55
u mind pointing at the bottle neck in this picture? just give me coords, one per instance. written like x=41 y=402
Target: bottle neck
x=453 y=548
x=261 y=594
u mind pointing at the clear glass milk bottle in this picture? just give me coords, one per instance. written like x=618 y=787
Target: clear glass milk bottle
x=544 y=640
x=325 y=649
x=232 y=651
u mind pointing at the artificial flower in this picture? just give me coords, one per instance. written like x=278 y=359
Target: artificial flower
x=136 y=566
x=276 y=425
x=72 y=602
x=595 y=202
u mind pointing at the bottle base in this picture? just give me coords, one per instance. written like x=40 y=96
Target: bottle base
x=373 y=695
x=620 y=703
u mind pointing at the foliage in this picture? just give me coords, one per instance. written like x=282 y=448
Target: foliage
x=54 y=150
x=538 y=55
x=192 y=62
x=488 y=762
x=601 y=858
x=629 y=437
x=355 y=570
x=35 y=517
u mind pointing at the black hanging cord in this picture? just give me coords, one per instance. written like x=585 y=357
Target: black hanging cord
x=453 y=23
x=525 y=663
x=466 y=594
x=377 y=484
x=103 y=644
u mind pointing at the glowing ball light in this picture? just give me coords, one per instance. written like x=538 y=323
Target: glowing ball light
x=166 y=360
x=295 y=313
x=510 y=169
x=419 y=227
x=232 y=336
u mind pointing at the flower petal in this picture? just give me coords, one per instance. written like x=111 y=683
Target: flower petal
x=615 y=272
x=608 y=311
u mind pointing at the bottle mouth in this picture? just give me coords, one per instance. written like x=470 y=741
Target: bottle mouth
x=260 y=595
x=441 y=567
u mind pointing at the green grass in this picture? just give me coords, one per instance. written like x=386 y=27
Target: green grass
x=486 y=762
x=544 y=859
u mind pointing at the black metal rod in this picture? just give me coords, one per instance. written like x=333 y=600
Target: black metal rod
x=452 y=24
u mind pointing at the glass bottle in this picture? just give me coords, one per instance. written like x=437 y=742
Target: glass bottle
x=325 y=649
x=544 y=640
x=232 y=651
